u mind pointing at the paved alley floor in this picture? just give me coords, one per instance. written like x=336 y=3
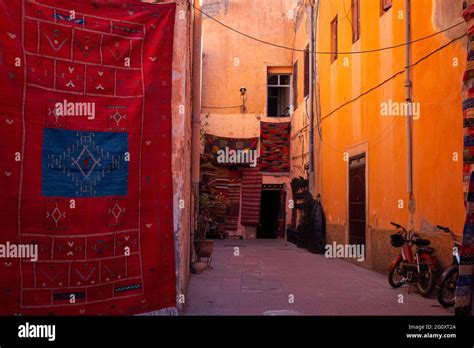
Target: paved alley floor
x=272 y=276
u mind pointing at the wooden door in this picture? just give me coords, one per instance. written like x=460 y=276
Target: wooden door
x=357 y=200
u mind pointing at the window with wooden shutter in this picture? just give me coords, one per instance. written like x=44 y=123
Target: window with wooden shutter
x=355 y=20
x=334 y=40
x=306 y=71
x=295 y=85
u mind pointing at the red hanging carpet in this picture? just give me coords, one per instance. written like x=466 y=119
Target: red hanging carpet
x=232 y=215
x=251 y=196
x=220 y=194
x=275 y=147
x=85 y=105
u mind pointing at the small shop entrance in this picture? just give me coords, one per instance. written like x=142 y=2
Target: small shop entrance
x=269 y=212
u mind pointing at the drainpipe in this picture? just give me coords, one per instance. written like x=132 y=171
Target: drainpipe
x=317 y=102
x=311 y=98
x=196 y=119
x=409 y=121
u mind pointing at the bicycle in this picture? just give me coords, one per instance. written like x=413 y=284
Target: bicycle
x=446 y=285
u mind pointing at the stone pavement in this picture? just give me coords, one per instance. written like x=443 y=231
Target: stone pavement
x=268 y=274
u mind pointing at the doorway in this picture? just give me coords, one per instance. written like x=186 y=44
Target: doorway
x=357 y=200
x=269 y=211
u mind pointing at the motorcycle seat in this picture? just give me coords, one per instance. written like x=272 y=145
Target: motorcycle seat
x=426 y=250
x=422 y=242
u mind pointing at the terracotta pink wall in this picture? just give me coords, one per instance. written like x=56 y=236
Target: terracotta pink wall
x=231 y=61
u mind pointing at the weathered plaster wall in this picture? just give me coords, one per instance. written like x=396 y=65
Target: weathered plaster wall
x=215 y=7
x=447 y=13
x=182 y=143
x=231 y=61
x=300 y=119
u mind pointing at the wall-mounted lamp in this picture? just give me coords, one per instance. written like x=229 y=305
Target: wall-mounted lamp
x=243 y=96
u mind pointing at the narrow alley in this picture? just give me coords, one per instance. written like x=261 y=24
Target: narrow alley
x=261 y=280
x=227 y=161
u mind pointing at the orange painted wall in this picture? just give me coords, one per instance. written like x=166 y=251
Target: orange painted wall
x=437 y=134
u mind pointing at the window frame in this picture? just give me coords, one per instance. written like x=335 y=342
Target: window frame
x=307 y=58
x=280 y=86
x=294 y=83
x=385 y=6
x=355 y=13
x=334 y=39
x=279 y=79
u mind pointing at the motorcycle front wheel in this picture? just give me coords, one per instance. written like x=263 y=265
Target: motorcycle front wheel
x=447 y=291
x=396 y=278
x=425 y=279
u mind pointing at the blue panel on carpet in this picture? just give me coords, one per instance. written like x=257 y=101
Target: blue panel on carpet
x=84 y=164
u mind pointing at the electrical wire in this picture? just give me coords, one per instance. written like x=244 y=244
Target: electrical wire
x=327 y=52
x=353 y=52
x=391 y=77
x=378 y=86
x=347 y=15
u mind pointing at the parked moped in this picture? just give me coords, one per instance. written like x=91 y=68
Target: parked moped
x=408 y=268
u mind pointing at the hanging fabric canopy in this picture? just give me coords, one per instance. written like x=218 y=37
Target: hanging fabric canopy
x=230 y=151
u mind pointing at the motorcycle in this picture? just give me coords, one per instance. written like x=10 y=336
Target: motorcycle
x=446 y=285
x=408 y=268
